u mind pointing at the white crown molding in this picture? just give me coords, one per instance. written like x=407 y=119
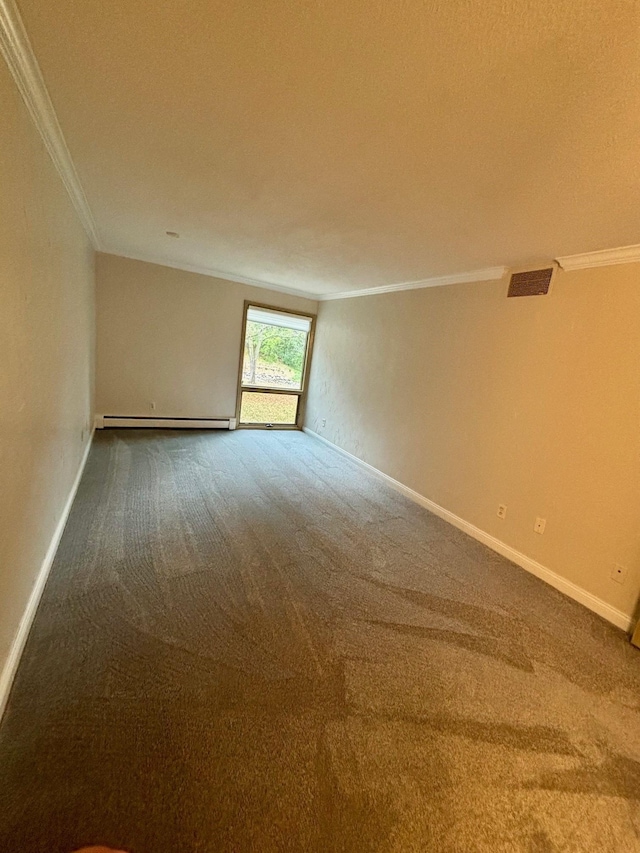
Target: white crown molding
x=213 y=273
x=23 y=65
x=487 y=274
x=602 y=258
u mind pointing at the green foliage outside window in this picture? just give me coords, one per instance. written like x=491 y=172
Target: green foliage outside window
x=273 y=344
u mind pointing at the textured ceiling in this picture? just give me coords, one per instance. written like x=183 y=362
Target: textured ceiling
x=342 y=144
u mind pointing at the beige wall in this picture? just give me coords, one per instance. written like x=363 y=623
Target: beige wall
x=46 y=354
x=473 y=399
x=170 y=337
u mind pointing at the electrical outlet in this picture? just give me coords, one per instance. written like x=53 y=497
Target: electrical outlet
x=540 y=525
x=618 y=574
x=502 y=510
x=324 y=422
x=152 y=404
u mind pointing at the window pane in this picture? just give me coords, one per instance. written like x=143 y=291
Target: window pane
x=257 y=408
x=278 y=318
x=273 y=356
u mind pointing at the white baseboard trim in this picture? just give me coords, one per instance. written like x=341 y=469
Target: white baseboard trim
x=146 y=422
x=17 y=647
x=592 y=602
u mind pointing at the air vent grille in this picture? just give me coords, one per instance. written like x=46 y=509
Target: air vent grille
x=531 y=282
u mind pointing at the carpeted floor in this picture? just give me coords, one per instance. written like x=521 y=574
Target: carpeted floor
x=249 y=644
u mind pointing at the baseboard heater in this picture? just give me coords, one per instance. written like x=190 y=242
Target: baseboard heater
x=105 y=421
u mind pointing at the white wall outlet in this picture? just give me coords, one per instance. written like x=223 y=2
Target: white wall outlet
x=324 y=422
x=502 y=510
x=540 y=525
x=618 y=574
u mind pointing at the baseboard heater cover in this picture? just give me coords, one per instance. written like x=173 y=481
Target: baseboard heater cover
x=104 y=421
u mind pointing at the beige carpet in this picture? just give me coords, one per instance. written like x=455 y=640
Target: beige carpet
x=249 y=644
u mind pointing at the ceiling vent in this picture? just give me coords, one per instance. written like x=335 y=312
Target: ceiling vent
x=531 y=282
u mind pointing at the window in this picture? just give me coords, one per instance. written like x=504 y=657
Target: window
x=276 y=349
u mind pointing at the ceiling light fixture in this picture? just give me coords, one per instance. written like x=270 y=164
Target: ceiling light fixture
x=172 y=234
